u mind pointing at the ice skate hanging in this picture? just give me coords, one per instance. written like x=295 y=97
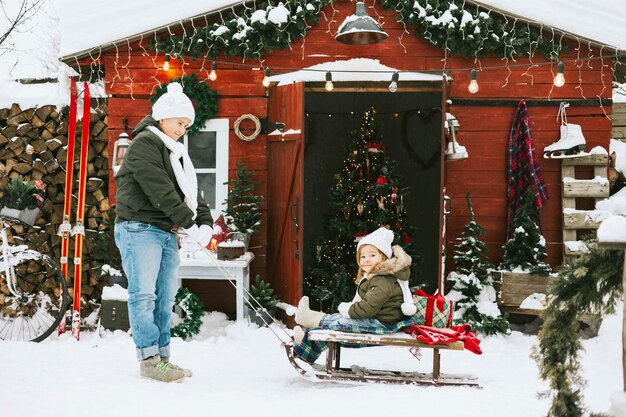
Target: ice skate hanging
x=454 y=150
x=572 y=142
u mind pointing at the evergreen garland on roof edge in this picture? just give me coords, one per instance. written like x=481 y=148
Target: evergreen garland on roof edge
x=454 y=25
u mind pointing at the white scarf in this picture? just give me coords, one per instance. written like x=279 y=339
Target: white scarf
x=185 y=174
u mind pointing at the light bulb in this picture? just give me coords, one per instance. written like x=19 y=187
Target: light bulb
x=213 y=73
x=473 y=85
x=266 y=78
x=393 y=86
x=166 y=63
x=329 y=82
x=559 y=78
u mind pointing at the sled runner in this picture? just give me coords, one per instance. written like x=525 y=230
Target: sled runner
x=334 y=372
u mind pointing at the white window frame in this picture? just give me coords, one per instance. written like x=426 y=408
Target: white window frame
x=220 y=127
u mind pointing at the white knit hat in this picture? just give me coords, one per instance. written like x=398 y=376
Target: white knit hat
x=380 y=238
x=174 y=103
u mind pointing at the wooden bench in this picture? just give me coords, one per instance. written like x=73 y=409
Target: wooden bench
x=334 y=371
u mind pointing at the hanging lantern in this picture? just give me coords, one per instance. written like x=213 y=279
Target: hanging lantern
x=454 y=150
x=119 y=151
x=360 y=29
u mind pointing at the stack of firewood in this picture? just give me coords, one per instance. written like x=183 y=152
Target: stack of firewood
x=45 y=129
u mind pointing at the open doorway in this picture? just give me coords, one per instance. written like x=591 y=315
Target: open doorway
x=410 y=124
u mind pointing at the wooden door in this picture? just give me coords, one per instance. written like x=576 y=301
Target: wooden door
x=285 y=186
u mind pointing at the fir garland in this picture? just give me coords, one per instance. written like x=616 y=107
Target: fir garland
x=592 y=284
x=454 y=25
x=205 y=99
x=464 y=29
x=192 y=307
x=250 y=33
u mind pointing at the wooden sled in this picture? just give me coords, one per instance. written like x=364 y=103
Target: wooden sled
x=334 y=372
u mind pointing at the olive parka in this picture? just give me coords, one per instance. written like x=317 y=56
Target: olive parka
x=147 y=190
x=381 y=295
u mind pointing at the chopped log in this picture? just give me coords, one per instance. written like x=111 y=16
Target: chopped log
x=53 y=144
x=10 y=131
x=14 y=115
x=3 y=140
x=94 y=184
x=4 y=113
x=45 y=112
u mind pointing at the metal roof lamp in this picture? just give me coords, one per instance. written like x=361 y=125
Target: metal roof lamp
x=360 y=28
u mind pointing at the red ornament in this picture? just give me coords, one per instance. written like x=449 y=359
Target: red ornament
x=381 y=180
x=358 y=235
x=398 y=224
x=406 y=239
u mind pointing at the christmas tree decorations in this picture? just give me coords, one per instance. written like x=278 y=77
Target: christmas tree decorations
x=243 y=209
x=367 y=195
x=473 y=288
x=526 y=249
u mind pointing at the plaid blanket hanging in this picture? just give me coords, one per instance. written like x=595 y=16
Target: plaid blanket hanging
x=523 y=168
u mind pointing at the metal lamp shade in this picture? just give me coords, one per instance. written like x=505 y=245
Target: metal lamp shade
x=360 y=29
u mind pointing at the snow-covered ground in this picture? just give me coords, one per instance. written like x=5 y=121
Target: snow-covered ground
x=241 y=370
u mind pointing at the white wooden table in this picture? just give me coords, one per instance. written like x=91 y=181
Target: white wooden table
x=237 y=270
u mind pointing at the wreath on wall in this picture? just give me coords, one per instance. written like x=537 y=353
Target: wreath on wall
x=188 y=305
x=205 y=100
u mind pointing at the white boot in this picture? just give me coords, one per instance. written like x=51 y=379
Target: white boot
x=298 y=334
x=306 y=317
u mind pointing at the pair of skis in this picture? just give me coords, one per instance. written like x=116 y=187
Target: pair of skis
x=65 y=229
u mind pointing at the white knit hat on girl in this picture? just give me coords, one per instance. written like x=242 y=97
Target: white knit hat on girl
x=380 y=238
x=174 y=103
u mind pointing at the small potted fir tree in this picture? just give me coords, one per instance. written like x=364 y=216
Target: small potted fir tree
x=261 y=302
x=243 y=211
x=22 y=200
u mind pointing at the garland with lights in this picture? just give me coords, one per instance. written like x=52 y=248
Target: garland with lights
x=250 y=33
x=592 y=284
x=205 y=99
x=192 y=308
x=463 y=29
x=448 y=24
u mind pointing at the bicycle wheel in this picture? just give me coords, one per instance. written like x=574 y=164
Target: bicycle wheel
x=40 y=299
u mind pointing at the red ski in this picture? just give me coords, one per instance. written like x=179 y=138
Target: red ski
x=65 y=227
x=79 y=229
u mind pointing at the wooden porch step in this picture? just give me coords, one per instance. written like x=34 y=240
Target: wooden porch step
x=594 y=159
x=583 y=219
x=594 y=188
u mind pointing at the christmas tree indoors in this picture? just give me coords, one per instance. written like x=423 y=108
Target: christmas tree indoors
x=473 y=288
x=243 y=209
x=366 y=195
x=526 y=249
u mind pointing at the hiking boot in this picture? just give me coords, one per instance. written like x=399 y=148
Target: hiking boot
x=155 y=368
x=186 y=371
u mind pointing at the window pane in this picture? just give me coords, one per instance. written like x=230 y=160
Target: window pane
x=206 y=185
x=202 y=149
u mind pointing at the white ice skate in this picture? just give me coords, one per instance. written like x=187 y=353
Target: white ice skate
x=571 y=145
x=572 y=142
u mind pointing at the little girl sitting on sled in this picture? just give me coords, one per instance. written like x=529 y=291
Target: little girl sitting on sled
x=382 y=299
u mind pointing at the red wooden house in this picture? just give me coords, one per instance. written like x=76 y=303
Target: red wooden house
x=298 y=167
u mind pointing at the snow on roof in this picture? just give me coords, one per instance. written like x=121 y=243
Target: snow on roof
x=357 y=69
x=85 y=27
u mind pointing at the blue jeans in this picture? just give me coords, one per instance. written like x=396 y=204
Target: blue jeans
x=150 y=261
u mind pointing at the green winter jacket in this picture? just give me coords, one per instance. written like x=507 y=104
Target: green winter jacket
x=147 y=190
x=381 y=295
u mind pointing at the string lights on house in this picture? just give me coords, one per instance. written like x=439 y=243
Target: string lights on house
x=393 y=86
x=213 y=73
x=166 y=62
x=266 y=78
x=473 y=85
x=559 y=78
x=329 y=82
